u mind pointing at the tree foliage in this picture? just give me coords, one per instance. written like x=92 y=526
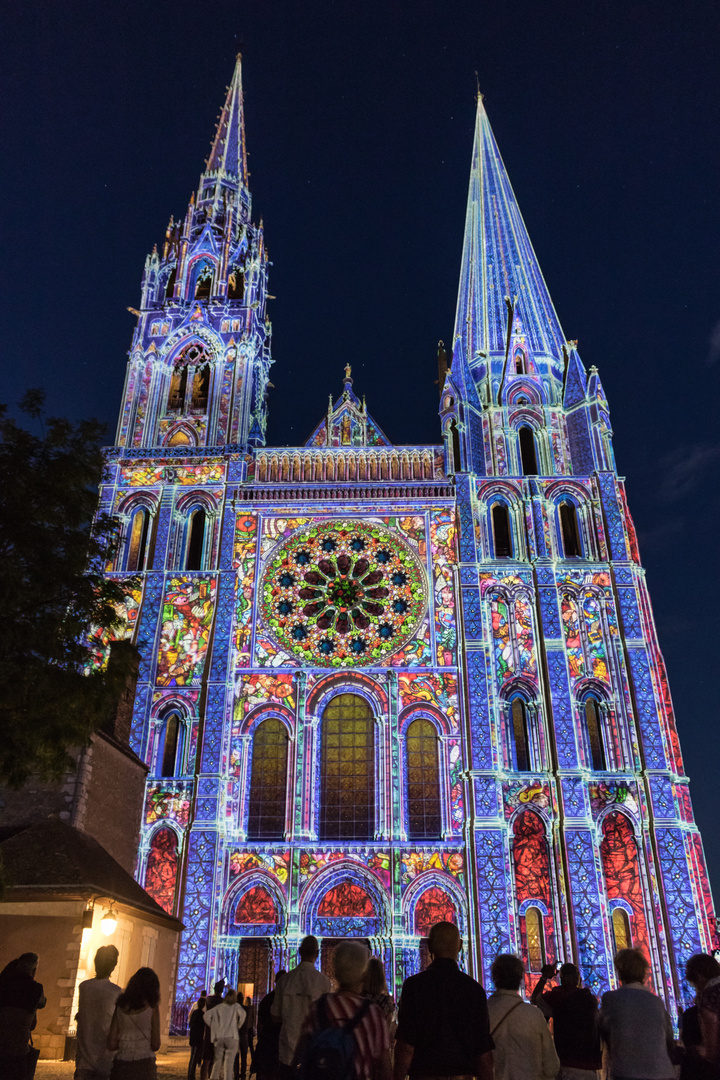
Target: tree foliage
x=53 y=551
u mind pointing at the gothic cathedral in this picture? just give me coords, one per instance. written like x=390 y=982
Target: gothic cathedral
x=386 y=685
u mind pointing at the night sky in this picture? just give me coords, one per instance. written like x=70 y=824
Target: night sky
x=359 y=120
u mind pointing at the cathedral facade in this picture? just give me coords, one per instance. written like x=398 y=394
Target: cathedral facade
x=384 y=685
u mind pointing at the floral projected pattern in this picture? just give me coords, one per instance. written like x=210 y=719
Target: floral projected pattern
x=343 y=594
x=377 y=861
x=100 y=639
x=346 y=899
x=256 y=906
x=535 y=793
x=433 y=906
x=416 y=862
x=168 y=803
x=161 y=872
x=187 y=618
x=622 y=874
x=276 y=863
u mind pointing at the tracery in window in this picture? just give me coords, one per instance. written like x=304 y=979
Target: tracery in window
x=502 y=536
x=268 y=781
x=348 y=770
x=528 y=453
x=423 y=781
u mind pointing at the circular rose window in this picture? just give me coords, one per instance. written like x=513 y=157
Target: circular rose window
x=343 y=594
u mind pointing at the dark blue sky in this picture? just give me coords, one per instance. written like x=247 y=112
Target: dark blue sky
x=359 y=127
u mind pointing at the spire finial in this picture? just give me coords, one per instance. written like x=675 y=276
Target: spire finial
x=348 y=373
x=228 y=149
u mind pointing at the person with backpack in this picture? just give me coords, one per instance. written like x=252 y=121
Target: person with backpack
x=524 y=1048
x=345 y=1036
x=293 y=999
x=574 y=1013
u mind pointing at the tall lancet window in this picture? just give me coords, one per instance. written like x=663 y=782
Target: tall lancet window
x=201 y=386
x=569 y=529
x=347 y=798
x=423 y=781
x=528 y=453
x=519 y=735
x=268 y=783
x=137 y=540
x=195 y=540
x=455 y=446
x=502 y=536
x=178 y=388
x=593 y=728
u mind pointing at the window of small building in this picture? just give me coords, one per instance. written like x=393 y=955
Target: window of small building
x=268 y=781
x=423 y=781
x=347 y=810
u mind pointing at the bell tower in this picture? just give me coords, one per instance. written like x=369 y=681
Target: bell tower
x=198 y=367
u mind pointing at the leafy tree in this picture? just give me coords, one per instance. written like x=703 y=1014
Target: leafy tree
x=53 y=551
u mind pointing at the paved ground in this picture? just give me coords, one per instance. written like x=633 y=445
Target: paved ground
x=171 y=1066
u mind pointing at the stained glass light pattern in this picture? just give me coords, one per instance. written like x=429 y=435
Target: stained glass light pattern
x=343 y=594
x=423 y=782
x=256 y=906
x=161 y=872
x=531 y=858
x=433 y=906
x=348 y=900
x=268 y=784
x=348 y=770
x=622 y=874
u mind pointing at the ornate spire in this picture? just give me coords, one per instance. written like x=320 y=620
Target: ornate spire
x=500 y=279
x=228 y=157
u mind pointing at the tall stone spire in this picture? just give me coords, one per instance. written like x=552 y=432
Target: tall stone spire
x=228 y=157
x=502 y=295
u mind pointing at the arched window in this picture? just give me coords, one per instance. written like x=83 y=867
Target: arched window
x=569 y=530
x=195 y=540
x=348 y=770
x=179 y=438
x=161 y=871
x=455 y=446
x=519 y=362
x=423 y=781
x=170 y=288
x=528 y=456
x=623 y=880
x=236 y=284
x=178 y=387
x=621 y=929
x=535 y=934
x=137 y=540
x=502 y=537
x=201 y=386
x=171 y=748
x=520 y=747
x=593 y=727
x=203 y=284
x=268 y=781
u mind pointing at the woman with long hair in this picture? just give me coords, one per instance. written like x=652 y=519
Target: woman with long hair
x=375 y=988
x=135 y=1028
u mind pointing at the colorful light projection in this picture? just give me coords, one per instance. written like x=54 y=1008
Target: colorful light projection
x=186 y=621
x=619 y=854
x=161 y=869
x=256 y=906
x=343 y=594
x=432 y=907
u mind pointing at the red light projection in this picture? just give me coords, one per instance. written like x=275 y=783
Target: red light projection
x=433 y=906
x=532 y=860
x=347 y=900
x=622 y=874
x=161 y=873
x=256 y=906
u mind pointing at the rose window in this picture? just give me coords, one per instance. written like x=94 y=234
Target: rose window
x=343 y=594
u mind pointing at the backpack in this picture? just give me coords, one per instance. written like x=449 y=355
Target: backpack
x=331 y=1051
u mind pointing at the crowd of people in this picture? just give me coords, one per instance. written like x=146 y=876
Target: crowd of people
x=444 y=1028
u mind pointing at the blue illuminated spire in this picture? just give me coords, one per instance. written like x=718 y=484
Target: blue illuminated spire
x=502 y=295
x=228 y=157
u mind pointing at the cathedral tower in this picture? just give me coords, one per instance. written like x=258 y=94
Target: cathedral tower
x=385 y=685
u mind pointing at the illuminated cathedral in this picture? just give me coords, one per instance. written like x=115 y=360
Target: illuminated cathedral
x=384 y=685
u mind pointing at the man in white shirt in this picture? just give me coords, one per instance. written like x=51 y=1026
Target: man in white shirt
x=96 y=1005
x=294 y=995
x=524 y=1049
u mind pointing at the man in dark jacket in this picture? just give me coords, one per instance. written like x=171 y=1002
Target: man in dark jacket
x=443 y=1026
x=20 y=998
x=574 y=1012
